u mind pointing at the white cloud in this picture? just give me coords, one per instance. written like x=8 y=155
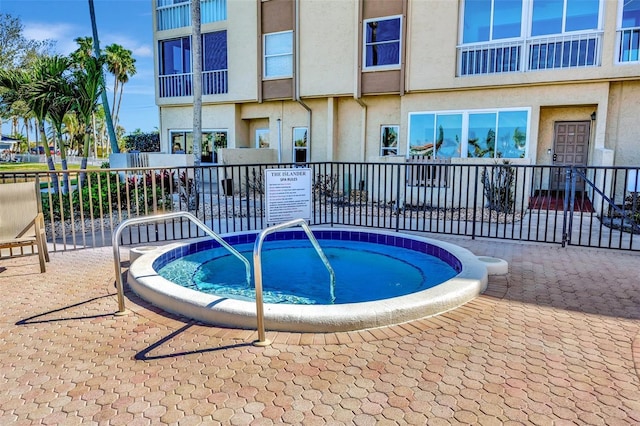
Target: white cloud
x=136 y=47
x=64 y=35
x=61 y=33
x=144 y=51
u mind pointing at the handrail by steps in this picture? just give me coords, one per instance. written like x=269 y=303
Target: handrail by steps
x=159 y=218
x=257 y=270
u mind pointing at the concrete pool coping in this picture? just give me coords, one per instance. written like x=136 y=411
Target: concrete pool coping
x=468 y=284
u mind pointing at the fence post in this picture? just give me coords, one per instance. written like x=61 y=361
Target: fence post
x=569 y=188
x=398 y=198
x=329 y=197
x=475 y=203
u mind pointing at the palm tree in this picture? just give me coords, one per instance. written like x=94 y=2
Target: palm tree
x=121 y=64
x=51 y=96
x=74 y=131
x=87 y=87
x=196 y=60
x=34 y=87
x=84 y=50
x=105 y=101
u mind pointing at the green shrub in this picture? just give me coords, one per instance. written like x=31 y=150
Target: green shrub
x=104 y=192
x=498 y=187
x=93 y=196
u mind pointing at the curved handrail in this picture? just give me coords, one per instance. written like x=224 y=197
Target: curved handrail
x=147 y=219
x=257 y=270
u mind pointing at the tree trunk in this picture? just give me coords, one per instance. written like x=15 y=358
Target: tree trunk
x=63 y=162
x=50 y=165
x=114 y=113
x=105 y=101
x=117 y=114
x=85 y=155
x=196 y=49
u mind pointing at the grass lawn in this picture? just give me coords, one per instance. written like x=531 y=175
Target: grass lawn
x=36 y=167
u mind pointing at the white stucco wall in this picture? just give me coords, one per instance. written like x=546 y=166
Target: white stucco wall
x=328 y=56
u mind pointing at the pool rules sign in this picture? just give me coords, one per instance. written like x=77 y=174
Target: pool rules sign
x=288 y=194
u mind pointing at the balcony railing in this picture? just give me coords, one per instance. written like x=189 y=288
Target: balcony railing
x=214 y=82
x=574 y=51
x=170 y=16
x=570 y=51
x=176 y=85
x=490 y=58
x=629 y=45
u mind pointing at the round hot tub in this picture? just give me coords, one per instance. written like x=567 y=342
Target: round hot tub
x=382 y=278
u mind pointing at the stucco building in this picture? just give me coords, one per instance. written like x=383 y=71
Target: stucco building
x=546 y=82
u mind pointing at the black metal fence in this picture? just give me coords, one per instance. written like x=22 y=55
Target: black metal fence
x=592 y=206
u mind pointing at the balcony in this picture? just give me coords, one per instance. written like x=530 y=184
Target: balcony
x=628 y=45
x=177 y=85
x=489 y=58
x=569 y=51
x=172 y=14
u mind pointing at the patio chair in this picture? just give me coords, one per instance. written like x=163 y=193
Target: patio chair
x=21 y=221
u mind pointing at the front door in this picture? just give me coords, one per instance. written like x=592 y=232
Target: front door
x=570 y=148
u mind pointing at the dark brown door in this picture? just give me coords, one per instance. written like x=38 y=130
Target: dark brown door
x=570 y=148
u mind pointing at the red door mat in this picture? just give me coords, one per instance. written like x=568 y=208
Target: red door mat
x=581 y=202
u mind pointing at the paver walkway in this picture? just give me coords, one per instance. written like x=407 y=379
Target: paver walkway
x=556 y=341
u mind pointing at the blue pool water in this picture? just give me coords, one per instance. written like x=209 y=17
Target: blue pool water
x=293 y=272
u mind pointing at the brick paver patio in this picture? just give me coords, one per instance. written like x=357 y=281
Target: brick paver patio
x=556 y=341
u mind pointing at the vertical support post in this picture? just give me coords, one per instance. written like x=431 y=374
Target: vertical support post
x=257 y=275
x=398 y=207
x=475 y=203
x=566 y=220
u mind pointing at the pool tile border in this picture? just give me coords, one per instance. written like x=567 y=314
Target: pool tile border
x=374 y=238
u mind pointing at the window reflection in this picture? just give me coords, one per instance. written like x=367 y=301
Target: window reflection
x=382 y=42
x=482 y=135
x=487 y=134
x=449 y=135
x=512 y=134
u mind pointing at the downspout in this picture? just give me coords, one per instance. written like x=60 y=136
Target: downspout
x=296 y=75
x=357 y=93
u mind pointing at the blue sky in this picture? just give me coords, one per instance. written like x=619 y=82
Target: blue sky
x=125 y=22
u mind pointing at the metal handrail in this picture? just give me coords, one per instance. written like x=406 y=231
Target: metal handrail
x=257 y=270
x=159 y=218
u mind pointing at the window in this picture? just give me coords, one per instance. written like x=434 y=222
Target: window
x=558 y=17
x=389 y=140
x=213 y=11
x=435 y=135
x=300 y=145
x=172 y=14
x=175 y=56
x=551 y=17
x=629 y=34
x=214 y=63
x=481 y=134
x=182 y=143
x=561 y=34
x=511 y=136
x=262 y=138
x=486 y=20
x=175 y=67
x=382 y=42
x=278 y=55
